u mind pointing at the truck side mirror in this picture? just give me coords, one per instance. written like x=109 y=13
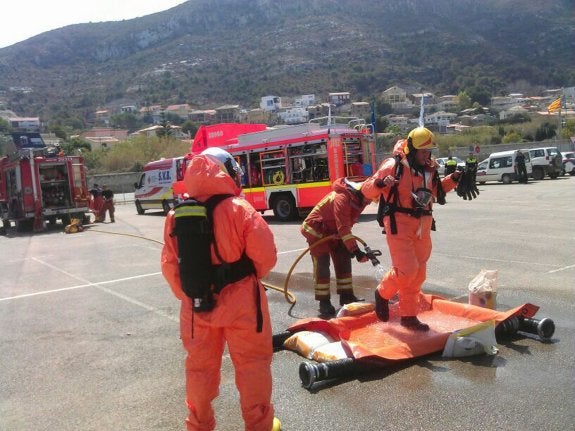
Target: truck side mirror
x=136 y=185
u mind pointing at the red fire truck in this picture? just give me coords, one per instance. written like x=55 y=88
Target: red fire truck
x=289 y=169
x=38 y=184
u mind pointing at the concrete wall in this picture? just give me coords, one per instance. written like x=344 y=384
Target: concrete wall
x=118 y=183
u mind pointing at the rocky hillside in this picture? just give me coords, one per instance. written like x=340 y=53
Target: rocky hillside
x=211 y=52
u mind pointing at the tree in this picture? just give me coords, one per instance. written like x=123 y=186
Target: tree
x=166 y=129
x=190 y=128
x=545 y=131
x=464 y=100
x=512 y=136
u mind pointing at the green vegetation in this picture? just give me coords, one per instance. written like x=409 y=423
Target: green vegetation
x=132 y=155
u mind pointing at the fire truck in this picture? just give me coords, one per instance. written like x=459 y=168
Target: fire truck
x=290 y=169
x=39 y=185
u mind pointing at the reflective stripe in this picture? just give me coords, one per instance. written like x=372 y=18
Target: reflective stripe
x=322 y=287
x=189 y=210
x=343 y=281
x=311 y=231
x=347 y=237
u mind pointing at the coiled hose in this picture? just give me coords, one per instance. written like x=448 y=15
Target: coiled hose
x=289 y=296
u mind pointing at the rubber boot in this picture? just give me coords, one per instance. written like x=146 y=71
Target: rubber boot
x=325 y=307
x=347 y=298
x=277 y=425
x=412 y=322
x=381 y=307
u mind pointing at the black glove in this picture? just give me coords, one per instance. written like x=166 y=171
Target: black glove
x=379 y=183
x=360 y=256
x=466 y=187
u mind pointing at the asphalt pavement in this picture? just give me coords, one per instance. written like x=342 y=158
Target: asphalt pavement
x=89 y=336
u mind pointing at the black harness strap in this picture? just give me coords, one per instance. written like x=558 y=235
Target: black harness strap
x=227 y=273
x=390 y=206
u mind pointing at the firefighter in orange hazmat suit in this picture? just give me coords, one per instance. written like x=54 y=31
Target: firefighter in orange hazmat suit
x=240 y=316
x=335 y=214
x=408 y=183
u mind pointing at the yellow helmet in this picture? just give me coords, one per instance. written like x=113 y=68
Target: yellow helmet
x=422 y=139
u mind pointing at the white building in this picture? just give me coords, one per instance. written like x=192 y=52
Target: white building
x=304 y=101
x=271 y=103
x=294 y=116
x=338 y=99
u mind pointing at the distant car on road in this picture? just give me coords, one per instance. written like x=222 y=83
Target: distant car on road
x=568 y=163
x=441 y=164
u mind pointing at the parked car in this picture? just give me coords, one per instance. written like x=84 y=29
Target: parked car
x=441 y=164
x=568 y=163
x=501 y=167
x=545 y=161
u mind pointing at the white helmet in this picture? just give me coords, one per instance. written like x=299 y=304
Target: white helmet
x=226 y=162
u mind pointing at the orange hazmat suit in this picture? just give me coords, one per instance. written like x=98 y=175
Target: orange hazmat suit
x=237 y=228
x=410 y=247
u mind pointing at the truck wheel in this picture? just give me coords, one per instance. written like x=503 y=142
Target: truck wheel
x=166 y=207
x=506 y=179
x=139 y=208
x=538 y=174
x=554 y=175
x=284 y=207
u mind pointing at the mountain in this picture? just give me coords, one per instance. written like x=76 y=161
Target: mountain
x=212 y=52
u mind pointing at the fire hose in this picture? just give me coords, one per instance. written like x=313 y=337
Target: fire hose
x=290 y=297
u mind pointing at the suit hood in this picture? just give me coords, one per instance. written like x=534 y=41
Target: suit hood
x=205 y=178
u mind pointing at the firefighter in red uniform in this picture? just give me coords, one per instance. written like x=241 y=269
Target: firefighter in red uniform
x=240 y=316
x=408 y=183
x=335 y=214
x=107 y=204
x=96 y=202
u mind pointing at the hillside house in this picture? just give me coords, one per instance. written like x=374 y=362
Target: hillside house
x=304 y=100
x=397 y=98
x=258 y=116
x=103 y=137
x=152 y=131
x=439 y=119
x=204 y=116
x=228 y=114
x=25 y=124
x=181 y=110
x=428 y=99
x=447 y=103
x=293 y=116
x=271 y=103
x=339 y=99
x=360 y=109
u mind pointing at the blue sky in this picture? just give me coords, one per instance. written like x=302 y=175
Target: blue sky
x=22 y=19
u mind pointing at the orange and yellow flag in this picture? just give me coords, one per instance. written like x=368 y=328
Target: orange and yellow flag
x=554 y=106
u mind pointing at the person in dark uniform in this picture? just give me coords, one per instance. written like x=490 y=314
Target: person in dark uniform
x=520 y=167
x=471 y=166
x=450 y=166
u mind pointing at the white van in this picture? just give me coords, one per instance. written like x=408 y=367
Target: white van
x=501 y=167
x=154 y=189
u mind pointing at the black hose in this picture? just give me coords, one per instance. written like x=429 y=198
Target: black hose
x=310 y=373
x=544 y=328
